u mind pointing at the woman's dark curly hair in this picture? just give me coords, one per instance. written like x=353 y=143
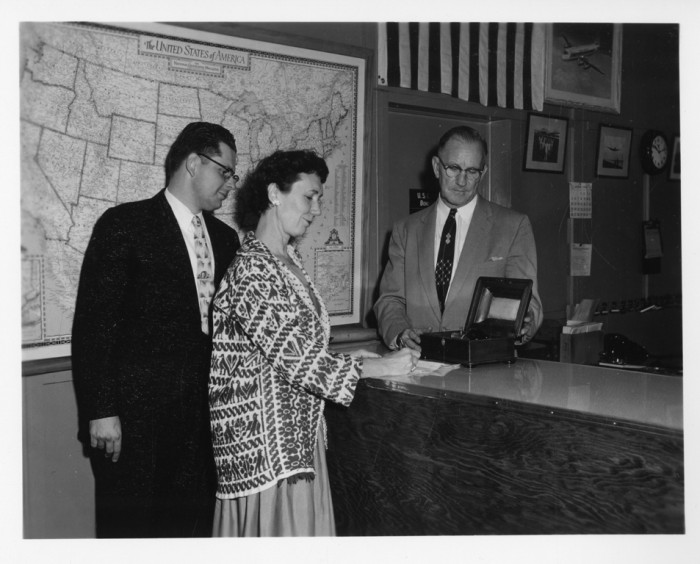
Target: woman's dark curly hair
x=282 y=168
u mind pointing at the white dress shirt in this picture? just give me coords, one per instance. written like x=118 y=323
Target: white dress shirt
x=463 y=218
x=184 y=220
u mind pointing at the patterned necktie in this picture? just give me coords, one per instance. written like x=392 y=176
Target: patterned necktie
x=443 y=268
x=205 y=272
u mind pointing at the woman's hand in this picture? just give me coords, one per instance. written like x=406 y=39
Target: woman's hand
x=363 y=353
x=391 y=364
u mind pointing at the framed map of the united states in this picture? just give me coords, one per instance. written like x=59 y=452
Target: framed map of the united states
x=100 y=106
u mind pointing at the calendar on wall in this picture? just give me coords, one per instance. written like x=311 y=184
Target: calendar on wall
x=580 y=200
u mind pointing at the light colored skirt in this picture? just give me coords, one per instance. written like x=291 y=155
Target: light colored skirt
x=302 y=509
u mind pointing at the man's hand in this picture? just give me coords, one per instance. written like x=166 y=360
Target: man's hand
x=106 y=433
x=526 y=328
x=411 y=338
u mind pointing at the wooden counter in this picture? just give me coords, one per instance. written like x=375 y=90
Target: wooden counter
x=536 y=447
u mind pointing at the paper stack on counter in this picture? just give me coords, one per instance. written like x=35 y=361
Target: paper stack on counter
x=585 y=327
x=582 y=319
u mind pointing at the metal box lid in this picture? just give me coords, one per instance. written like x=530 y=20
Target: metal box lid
x=498 y=307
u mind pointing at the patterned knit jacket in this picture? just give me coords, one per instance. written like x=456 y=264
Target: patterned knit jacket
x=270 y=373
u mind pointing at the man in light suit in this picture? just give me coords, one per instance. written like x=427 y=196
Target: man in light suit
x=489 y=240
x=141 y=344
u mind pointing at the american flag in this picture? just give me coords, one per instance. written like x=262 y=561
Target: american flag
x=495 y=64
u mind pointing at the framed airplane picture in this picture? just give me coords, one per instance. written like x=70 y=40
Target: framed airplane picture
x=613 y=155
x=583 y=65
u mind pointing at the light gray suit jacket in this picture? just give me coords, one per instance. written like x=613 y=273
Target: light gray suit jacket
x=499 y=243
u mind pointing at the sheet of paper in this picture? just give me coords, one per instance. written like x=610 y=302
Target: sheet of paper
x=581 y=259
x=583 y=312
x=435 y=368
x=580 y=200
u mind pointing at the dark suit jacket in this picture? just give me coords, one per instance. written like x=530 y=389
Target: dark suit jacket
x=499 y=243
x=139 y=352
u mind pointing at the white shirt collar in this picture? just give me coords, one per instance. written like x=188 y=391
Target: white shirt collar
x=465 y=212
x=182 y=212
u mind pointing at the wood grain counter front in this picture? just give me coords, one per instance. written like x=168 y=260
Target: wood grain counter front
x=535 y=447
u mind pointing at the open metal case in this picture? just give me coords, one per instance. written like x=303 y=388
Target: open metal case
x=494 y=321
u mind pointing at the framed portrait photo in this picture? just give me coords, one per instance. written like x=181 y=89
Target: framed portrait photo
x=674 y=170
x=545 y=147
x=613 y=154
x=583 y=65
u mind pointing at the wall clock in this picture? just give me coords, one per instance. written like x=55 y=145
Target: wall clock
x=654 y=152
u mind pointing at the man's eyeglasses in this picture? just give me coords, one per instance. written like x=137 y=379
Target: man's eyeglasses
x=453 y=171
x=227 y=172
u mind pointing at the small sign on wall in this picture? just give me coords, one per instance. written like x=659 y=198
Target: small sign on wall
x=581 y=259
x=420 y=199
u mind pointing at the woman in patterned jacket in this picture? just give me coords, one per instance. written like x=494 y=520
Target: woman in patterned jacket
x=271 y=368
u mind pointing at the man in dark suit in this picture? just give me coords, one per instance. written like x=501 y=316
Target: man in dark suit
x=142 y=343
x=485 y=240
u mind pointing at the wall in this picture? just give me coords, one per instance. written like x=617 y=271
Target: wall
x=338 y=37
x=650 y=99
x=58 y=484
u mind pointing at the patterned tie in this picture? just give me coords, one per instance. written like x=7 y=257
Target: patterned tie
x=205 y=272
x=443 y=268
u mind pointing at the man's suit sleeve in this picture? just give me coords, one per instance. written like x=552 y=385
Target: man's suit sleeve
x=98 y=316
x=390 y=308
x=522 y=263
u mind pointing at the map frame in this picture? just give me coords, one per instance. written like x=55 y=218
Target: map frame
x=237 y=47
